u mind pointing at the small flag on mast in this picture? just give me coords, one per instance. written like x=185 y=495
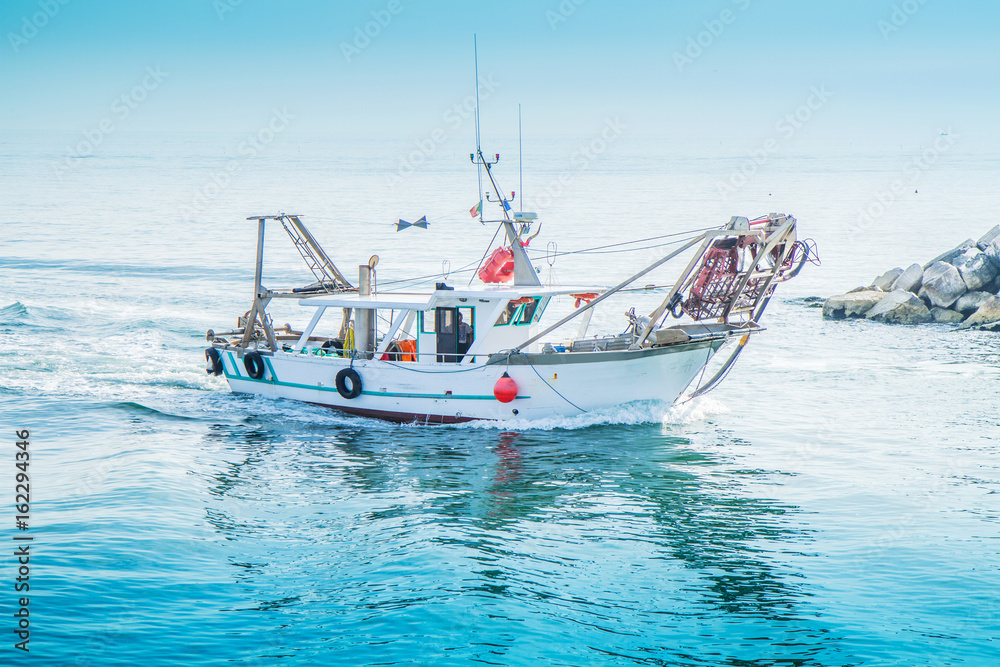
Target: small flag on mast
x=477 y=209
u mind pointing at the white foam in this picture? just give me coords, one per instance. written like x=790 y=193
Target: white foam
x=638 y=412
x=695 y=410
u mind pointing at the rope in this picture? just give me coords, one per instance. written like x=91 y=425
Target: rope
x=484 y=253
x=545 y=381
x=699 y=390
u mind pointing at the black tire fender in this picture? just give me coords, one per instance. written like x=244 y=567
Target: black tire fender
x=254 y=363
x=343 y=376
x=213 y=360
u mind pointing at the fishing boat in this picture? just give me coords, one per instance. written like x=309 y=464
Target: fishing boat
x=483 y=351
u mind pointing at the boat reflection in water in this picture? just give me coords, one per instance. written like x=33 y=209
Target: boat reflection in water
x=383 y=544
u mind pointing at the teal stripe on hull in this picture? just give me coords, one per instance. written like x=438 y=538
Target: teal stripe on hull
x=387 y=394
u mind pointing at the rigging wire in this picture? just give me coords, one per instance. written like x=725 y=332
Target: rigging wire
x=526 y=358
x=467 y=267
x=490 y=245
x=651 y=238
x=418 y=280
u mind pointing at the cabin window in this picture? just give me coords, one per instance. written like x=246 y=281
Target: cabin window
x=466 y=329
x=522 y=311
x=542 y=303
x=445 y=320
x=426 y=322
x=527 y=312
x=508 y=313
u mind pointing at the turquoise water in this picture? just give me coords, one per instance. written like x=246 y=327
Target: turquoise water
x=835 y=502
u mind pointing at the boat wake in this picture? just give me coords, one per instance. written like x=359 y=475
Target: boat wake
x=627 y=414
x=695 y=410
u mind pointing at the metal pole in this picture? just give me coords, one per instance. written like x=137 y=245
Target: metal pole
x=777 y=236
x=257 y=287
x=364 y=318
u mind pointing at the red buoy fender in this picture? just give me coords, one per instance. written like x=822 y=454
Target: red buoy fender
x=505 y=389
x=499 y=268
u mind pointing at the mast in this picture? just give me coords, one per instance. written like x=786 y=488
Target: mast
x=524 y=272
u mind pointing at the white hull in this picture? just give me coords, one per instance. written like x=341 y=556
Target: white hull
x=549 y=385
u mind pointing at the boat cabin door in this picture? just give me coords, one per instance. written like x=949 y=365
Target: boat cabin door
x=446 y=326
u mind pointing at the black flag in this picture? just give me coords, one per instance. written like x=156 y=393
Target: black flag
x=403 y=224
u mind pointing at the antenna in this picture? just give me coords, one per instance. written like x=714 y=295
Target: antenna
x=520 y=168
x=480 y=160
x=479 y=150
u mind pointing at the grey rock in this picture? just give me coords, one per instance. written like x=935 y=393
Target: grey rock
x=988 y=238
x=909 y=280
x=970 y=302
x=855 y=304
x=943 y=284
x=987 y=314
x=900 y=307
x=976 y=268
x=922 y=293
x=949 y=257
x=990 y=244
x=994 y=286
x=884 y=281
x=945 y=316
x=864 y=289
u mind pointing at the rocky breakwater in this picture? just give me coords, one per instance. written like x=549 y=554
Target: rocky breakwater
x=958 y=287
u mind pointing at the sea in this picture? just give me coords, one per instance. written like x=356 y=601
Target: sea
x=835 y=501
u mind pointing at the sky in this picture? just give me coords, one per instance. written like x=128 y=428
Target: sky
x=397 y=67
